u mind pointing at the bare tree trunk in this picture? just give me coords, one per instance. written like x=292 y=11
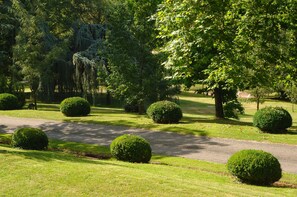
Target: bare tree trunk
x=219 y=103
x=258 y=103
x=108 y=98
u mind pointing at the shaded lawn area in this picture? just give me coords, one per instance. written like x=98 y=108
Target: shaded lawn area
x=198 y=119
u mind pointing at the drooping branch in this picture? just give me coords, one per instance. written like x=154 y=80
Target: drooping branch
x=86 y=60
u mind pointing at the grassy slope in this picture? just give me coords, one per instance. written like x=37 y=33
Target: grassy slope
x=198 y=119
x=34 y=173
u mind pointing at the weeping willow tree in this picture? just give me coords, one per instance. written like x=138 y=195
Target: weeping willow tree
x=89 y=40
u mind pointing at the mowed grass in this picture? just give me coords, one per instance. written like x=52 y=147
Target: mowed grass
x=47 y=173
x=198 y=119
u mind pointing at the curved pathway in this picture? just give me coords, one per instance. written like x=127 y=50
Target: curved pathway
x=168 y=143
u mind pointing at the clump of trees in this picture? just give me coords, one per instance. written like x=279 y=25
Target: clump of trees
x=229 y=44
x=68 y=48
x=139 y=49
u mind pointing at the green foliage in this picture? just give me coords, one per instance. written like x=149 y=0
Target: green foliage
x=29 y=138
x=75 y=106
x=232 y=109
x=165 y=112
x=272 y=119
x=136 y=74
x=131 y=148
x=292 y=94
x=255 y=167
x=21 y=98
x=131 y=107
x=259 y=93
x=8 y=101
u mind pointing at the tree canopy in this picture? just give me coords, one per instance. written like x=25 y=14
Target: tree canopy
x=228 y=44
x=139 y=49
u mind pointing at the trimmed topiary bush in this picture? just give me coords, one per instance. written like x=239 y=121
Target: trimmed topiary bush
x=29 y=138
x=75 y=106
x=8 y=101
x=165 y=112
x=131 y=148
x=255 y=167
x=272 y=119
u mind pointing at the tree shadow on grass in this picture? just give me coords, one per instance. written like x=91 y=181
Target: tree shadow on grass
x=49 y=156
x=189 y=120
x=3 y=128
x=291 y=131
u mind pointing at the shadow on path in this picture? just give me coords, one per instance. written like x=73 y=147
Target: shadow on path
x=161 y=142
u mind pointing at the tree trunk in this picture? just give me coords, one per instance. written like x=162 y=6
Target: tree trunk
x=141 y=107
x=35 y=100
x=258 y=104
x=108 y=98
x=219 y=103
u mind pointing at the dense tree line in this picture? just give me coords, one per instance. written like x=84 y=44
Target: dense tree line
x=138 y=49
x=230 y=44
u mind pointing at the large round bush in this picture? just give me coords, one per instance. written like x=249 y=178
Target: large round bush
x=255 y=167
x=165 y=112
x=75 y=106
x=272 y=119
x=29 y=138
x=8 y=101
x=131 y=148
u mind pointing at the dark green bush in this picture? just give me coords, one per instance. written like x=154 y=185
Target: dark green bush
x=75 y=106
x=165 y=112
x=29 y=138
x=272 y=119
x=131 y=148
x=232 y=109
x=131 y=107
x=8 y=101
x=255 y=167
x=21 y=99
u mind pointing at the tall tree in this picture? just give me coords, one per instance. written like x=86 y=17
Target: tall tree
x=8 y=28
x=198 y=39
x=136 y=74
x=229 y=44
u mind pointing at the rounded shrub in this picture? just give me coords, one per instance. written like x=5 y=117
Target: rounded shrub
x=272 y=119
x=131 y=148
x=255 y=167
x=75 y=106
x=29 y=138
x=8 y=101
x=165 y=112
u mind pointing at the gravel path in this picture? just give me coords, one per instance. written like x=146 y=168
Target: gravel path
x=202 y=148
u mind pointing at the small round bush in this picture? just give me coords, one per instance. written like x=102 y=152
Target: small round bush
x=165 y=112
x=75 y=106
x=8 y=101
x=29 y=138
x=255 y=167
x=131 y=148
x=272 y=119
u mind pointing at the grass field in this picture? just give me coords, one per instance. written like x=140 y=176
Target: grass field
x=198 y=119
x=48 y=173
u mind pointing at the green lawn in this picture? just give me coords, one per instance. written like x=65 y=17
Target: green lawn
x=46 y=173
x=198 y=119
